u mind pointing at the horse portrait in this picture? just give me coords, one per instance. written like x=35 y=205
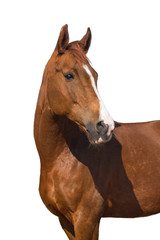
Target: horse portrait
x=91 y=165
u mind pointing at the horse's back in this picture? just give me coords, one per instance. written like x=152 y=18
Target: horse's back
x=134 y=133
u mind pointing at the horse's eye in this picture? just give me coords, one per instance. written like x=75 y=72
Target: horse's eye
x=69 y=76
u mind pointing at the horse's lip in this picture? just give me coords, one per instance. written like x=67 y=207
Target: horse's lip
x=102 y=140
x=97 y=139
x=94 y=137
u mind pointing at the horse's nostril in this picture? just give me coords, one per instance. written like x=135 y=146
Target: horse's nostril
x=102 y=127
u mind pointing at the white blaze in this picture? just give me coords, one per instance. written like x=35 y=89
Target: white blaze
x=104 y=114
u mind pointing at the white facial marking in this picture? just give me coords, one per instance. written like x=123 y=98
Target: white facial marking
x=104 y=114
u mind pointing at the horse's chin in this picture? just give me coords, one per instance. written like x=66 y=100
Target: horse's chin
x=99 y=140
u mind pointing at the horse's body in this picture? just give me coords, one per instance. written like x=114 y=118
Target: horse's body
x=81 y=183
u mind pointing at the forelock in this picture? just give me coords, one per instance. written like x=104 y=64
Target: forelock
x=75 y=50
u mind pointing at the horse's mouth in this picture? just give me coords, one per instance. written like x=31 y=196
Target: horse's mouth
x=95 y=137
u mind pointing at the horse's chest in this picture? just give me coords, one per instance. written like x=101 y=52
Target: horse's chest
x=63 y=189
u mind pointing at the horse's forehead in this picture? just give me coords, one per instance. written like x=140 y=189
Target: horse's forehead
x=66 y=60
x=71 y=60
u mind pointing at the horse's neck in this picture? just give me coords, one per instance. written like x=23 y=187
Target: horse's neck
x=53 y=134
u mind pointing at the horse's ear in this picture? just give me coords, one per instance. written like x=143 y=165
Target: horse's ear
x=86 y=41
x=63 y=39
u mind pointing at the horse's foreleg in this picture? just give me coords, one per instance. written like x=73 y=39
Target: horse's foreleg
x=96 y=232
x=67 y=227
x=86 y=229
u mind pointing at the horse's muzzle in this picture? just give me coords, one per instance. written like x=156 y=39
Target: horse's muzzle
x=98 y=134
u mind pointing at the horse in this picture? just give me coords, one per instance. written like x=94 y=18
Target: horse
x=91 y=165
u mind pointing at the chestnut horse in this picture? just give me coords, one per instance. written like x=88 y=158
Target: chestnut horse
x=91 y=166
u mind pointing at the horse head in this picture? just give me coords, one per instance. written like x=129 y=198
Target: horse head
x=72 y=88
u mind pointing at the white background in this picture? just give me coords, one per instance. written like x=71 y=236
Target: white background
x=125 y=51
